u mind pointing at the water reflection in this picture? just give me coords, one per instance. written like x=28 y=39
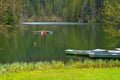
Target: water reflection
x=26 y=46
x=112 y=38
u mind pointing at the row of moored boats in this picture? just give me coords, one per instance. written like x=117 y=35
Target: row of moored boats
x=96 y=53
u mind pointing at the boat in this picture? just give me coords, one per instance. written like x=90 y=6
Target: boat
x=77 y=52
x=96 y=53
x=118 y=49
x=115 y=54
x=43 y=32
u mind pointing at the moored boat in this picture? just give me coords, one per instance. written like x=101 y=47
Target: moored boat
x=105 y=54
x=96 y=53
x=118 y=49
x=77 y=52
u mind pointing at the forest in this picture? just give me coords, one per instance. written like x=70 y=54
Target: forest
x=13 y=12
x=72 y=10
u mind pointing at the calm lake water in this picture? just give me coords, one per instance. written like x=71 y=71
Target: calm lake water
x=26 y=46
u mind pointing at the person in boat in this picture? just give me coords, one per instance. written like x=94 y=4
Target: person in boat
x=44 y=32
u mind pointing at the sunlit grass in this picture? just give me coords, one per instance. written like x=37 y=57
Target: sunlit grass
x=65 y=74
x=71 y=70
x=24 y=66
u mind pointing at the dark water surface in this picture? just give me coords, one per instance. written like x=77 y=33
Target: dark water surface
x=26 y=46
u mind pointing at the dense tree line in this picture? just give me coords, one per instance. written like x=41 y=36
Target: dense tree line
x=59 y=10
x=73 y=10
x=66 y=10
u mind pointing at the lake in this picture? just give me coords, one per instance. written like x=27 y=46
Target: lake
x=25 y=45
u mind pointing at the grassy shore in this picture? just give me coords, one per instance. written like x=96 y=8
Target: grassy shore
x=65 y=74
x=72 y=70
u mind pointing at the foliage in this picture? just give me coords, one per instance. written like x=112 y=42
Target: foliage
x=10 y=15
x=10 y=11
x=111 y=11
x=68 y=10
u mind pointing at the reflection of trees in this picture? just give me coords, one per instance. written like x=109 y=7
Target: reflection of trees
x=112 y=36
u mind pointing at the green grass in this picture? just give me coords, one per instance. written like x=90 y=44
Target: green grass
x=65 y=74
x=57 y=70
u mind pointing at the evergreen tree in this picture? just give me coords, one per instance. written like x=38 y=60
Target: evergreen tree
x=111 y=11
